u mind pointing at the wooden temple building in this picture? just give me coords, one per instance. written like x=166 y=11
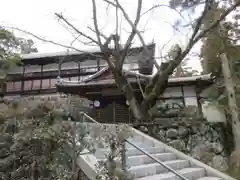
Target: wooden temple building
x=87 y=75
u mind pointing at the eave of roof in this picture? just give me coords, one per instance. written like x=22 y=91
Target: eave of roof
x=205 y=77
x=90 y=81
x=59 y=54
x=82 y=55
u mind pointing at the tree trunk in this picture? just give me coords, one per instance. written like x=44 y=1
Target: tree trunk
x=231 y=99
x=121 y=81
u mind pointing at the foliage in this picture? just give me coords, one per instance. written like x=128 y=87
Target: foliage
x=10 y=48
x=35 y=140
x=11 y=45
x=111 y=137
x=114 y=166
x=215 y=42
x=222 y=39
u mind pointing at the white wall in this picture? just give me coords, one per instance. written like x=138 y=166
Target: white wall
x=212 y=113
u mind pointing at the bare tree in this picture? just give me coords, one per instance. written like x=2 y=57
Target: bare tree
x=115 y=58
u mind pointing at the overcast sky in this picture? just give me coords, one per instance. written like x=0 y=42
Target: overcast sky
x=37 y=16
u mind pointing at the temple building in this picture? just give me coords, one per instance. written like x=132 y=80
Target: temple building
x=87 y=75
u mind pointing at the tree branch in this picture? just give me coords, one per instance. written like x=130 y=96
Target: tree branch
x=199 y=21
x=133 y=33
x=162 y=5
x=216 y=23
x=116 y=42
x=159 y=81
x=96 y=25
x=136 y=74
x=105 y=37
x=43 y=39
x=75 y=29
x=140 y=86
x=134 y=28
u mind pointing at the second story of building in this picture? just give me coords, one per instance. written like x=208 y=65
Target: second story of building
x=39 y=71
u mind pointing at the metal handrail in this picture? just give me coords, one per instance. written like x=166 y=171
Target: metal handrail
x=157 y=160
x=144 y=152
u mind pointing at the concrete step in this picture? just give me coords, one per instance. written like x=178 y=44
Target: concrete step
x=100 y=153
x=137 y=138
x=140 y=144
x=144 y=159
x=210 y=178
x=156 y=168
x=189 y=173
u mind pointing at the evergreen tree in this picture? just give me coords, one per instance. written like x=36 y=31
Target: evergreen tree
x=224 y=38
x=10 y=48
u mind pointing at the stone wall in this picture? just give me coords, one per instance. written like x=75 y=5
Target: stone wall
x=201 y=140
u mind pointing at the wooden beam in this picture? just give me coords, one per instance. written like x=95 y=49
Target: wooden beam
x=22 y=81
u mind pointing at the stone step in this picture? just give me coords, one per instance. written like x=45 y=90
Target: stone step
x=189 y=173
x=156 y=168
x=100 y=153
x=210 y=178
x=144 y=159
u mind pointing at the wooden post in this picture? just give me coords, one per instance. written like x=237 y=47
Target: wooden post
x=229 y=84
x=114 y=112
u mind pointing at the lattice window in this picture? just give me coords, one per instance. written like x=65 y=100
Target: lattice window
x=121 y=113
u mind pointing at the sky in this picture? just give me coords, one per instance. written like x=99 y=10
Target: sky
x=38 y=18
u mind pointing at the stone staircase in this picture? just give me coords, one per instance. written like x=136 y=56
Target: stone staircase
x=150 y=159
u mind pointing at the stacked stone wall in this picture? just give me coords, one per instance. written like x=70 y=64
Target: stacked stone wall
x=201 y=140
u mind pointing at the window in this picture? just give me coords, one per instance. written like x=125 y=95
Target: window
x=17 y=85
x=10 y=86
x=36 y=84
x=32 y=69
x=191 y=101
x=27 y=85
x=53 y=82
x=45 y=84
x=50 y=67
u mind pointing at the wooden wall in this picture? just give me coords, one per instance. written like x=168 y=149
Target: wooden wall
x=23 y=80
x=115 y=109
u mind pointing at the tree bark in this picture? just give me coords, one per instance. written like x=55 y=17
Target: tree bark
x=126 y=88
x=231 y=99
